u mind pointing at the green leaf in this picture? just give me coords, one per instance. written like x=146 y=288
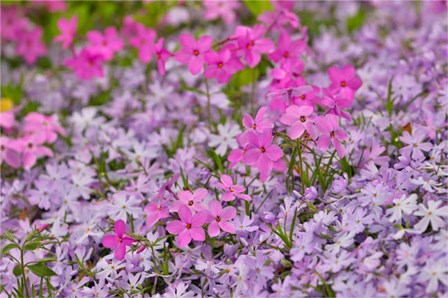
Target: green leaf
x=217 y=160
x=8 y=247
x=355 y=22
x=31 y=246
x=41 y=270
x=17 y=271
x=258 y=7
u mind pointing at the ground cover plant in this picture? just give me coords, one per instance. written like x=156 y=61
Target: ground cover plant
x=224 y=149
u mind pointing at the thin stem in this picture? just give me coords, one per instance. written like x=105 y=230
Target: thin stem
x=22 y=266
x=209 y=109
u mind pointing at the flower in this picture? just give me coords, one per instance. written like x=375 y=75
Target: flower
x=31 y=147
x=344 y=81
x=30 y=45
x=258 y=124
x=405 y=204
x=299 y=119
x=190 y=199
x=220 y=219
x=224 y=10
x=221 y=65
x=188 y=227
x=232 y=191
x=252 y=44
x=68 y=31
x=288 y=51
x=144 y=42
x=193 y=52
x=8 y=154
x=225 y=139
x=263 y=154
x=105 y=45
x=156 y=212
x=118 y=241
x=415 y=144
x=36 y=122
x=86 y=64
x=328 y=125
x=161 y=54
x=431 y=214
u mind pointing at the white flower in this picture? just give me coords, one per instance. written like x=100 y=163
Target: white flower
x=402 y=205
x=431 y=214
x=225 y=139
x=434 y=273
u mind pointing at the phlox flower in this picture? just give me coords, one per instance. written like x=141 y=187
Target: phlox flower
x=12 y=22
x=258 y=124
x=404 y=204
x=36 y=122
x=156 y=212
x=288 y=51
x=415 y=144
x=193 y=52
x=307 y=98
x=432 y=214
x=161 y=54
x=30 y=45
x=68 y=31
x=190 y=199
x=31 y=147
x=225 y=139
x=144 y=42
x=8 y=153
x=221 y=65
x=118 y=241
x=188 y=227
x=263 y=154
x=299 y=120
x=86 y=64
x=344 y=81
x=220 y=218
x=221 y=9
x=231 y=191
x=252 y=43
x=105 y=44
x=328 y=126
x=433 y=273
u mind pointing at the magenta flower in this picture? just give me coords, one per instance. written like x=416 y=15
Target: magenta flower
x=86 y=64
x=188 y=227
x=162 y=55
x=299 y=119
x=118 y=241
x=258 y=124
x=263 y=154
x=193 y=52
x=221 y=65
x=8 y=154
x=68 y=31
x=224 y=10
x=252 y=43
x=287 y=51
x=144 y=42
x=31 y=147
x=105 y=45
x=231 y=191
x=344 y=81
x=307 y=98
x=220 y=219
x=156 y=212
x=35 y=122
x=190 y=199
x=7 y=120
x=30 y=45
x=328 y=125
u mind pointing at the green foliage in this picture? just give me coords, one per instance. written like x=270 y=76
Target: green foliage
x=41 y=270
x=258 y=7
x=356 y=21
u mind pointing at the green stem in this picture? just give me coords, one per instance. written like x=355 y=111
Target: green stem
x=22 y=266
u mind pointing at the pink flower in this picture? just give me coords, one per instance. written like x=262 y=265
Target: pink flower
x=220 y=219
x=156 y=212
x=299 y=119
x=35 y=122
x=144 y=42
x=118 y=241
x=221 y=65
x=344 y=81
x=30 y=45
x=263 y=154
x=328 y=125
x=287 y=51
x=259 y=124
x=221 y=10
x=86 y=64
x=232 y=191
x=193 y=52
x=68 y=31
x=307 y=98
x=188 y=227
x=8 y=154
x=252 y=44
x=105 y=45
x=335 y=103
x=7 y=120
x=190 y=199
x=12 y=23
x=162 y=55
x=31 y=147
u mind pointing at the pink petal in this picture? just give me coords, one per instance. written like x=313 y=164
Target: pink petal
x=120 y=251
x=120 y=228
x=274 y=152
x=243 y=196
x=199 y=219
x=227 y=180
x=295 y=131
x=205 y=43
x=127 y=241
x=252 y=156
x=187 y=40
x=197 y=234
x=264 y=167
x=175 y=227
x=184 y=214
x=110 y=241
x=227 y=226
x=215 y=208
x=248 y=121
x=199 y=194
x=228 y=213
x=213 y=229
x=184 y=238
x=228 y=196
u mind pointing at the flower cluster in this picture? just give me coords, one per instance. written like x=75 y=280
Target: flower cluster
x=224 y=148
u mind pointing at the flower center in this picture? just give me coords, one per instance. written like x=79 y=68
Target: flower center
x=343 y=84
x=302 y=118
x=262 y=150
x=190 y=203
x=196 y=52
x=254 y=126
x=218 y=219
x=306 y=135
x=188 y=226
x=302 y=97
x=231 y=189
x=286 y=55
x=332 y=134
x=120 y=239
x=220 y=65
x=30 y=145
x=158 y=56
x=250 y=44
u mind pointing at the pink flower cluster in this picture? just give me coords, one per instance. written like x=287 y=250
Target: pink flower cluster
x=22 y=145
